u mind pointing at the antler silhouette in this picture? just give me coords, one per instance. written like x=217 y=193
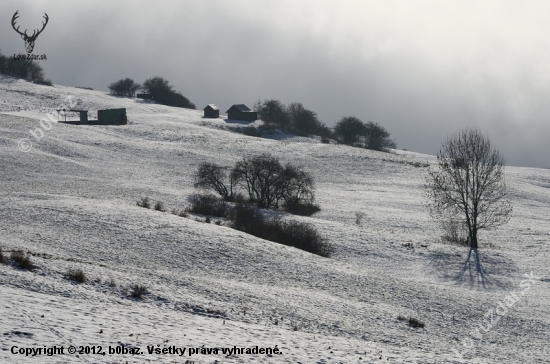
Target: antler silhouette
x=34 y=34
x=15 y=16
x=43 y=25
x=29 y=40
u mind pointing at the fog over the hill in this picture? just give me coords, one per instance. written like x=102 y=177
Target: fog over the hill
x=422 y=69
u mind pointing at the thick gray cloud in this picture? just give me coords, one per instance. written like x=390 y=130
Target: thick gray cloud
x=423 y=69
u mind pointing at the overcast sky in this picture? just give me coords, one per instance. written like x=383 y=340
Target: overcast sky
x=421 y=69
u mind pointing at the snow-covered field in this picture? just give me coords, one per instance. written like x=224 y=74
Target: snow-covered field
x=71 y=202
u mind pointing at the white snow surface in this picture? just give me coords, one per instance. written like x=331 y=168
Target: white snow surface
x=71 y=203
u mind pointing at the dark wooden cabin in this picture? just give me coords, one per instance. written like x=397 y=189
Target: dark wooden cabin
x=241 y=112
x=211 y=111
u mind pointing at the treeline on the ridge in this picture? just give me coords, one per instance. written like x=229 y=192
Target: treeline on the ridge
x=23 y=68
x=295 y=118
x=159 y=88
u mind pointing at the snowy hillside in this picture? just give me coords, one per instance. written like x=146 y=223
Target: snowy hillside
x=71 y=202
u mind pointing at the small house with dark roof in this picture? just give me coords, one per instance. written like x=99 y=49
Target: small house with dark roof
x=241 y=112
x=211 y=111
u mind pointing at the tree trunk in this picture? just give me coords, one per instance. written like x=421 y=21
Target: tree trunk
x=473 y=240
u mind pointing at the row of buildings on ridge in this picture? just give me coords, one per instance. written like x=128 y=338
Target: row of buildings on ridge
x=235 y=112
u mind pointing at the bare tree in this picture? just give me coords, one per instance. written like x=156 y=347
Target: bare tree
x=164 y=93
x=377 y=137
x=268 y=182
x=273 y=112
x=469 y=184
x=260 y=177
x=124 y=87
x=211 y=176
x=350 y=129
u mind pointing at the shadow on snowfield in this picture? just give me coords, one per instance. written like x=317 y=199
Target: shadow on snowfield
x=484 y=269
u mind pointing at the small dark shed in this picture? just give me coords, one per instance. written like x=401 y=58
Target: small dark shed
x=112 y=116
x=145 y=96
x=241 y=112
x=211 y=111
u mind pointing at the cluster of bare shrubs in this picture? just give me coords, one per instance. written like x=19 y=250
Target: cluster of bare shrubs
x=268 y=184
x=147 y=203
x=209 y=205
x=21 y=67
x=293 y=118
x=352 y=131
x=295 y=206
x=24 y=261
x=300 y=235
x=265 y=180
x=249 y=218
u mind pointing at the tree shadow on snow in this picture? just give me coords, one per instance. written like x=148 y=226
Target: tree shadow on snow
x=481 y=269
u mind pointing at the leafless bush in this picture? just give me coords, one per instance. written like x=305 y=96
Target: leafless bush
x=159 y=206
x=138 y=291
x=76 y=275
x=209 y=205
x=416 y=323
x=145 y=202
x=299 y=235
x=268 y=183
x=297 y=207
x=246 y=217
x=24 y=261
x=211 y=176
x=303 y=236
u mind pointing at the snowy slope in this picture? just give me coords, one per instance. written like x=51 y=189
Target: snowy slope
x=71 y=202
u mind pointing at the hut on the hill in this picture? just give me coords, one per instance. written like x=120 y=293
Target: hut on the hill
x=241 y=112
x=211 y=111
